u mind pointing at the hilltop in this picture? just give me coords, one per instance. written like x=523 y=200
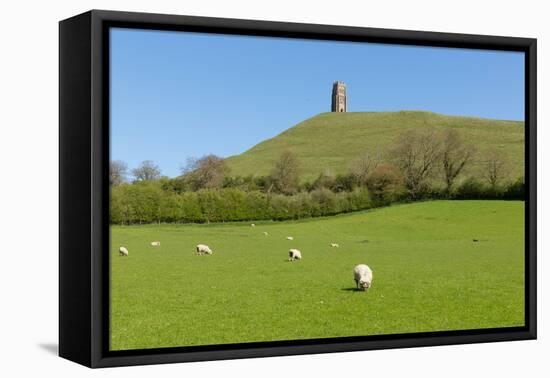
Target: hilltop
x=334 y=140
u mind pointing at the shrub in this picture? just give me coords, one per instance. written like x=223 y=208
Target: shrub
x=345 y=183
x=256 y=205
x=474 y=189
x=278 y=207
x=385 y=183
x=233 y=205
x=359 y=199
x=326 y=201
x=135 y=203
x=158 y=201
x=470 y=188
x=301 y=205
x=169 y=207
x=190 y=208
x=325 y=180
x=148 y=203
x=515 y=190
x=116 y=206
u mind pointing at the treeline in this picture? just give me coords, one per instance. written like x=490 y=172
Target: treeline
x=148 y=203
x=419 y=165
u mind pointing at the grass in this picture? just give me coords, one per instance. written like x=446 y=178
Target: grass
x=334 y=140
x=429 y=275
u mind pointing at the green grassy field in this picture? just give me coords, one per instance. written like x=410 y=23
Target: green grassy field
x=429 y=275
x=333 y=140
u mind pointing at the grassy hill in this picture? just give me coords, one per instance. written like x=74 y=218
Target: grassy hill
x=333 y=140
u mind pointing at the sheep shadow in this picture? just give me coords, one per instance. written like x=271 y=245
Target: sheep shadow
x=350 y=289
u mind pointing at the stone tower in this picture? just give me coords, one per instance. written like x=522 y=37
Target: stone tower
x=339 y=99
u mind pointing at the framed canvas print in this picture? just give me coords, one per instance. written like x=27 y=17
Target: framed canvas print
x=234 y=188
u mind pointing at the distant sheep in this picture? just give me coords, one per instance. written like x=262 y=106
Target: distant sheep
x=294 y=254
x=253 y=225
x=265 y=233
x=155 y=244
x=334 y=245
x=289 y=238
x=362 y=275
x=123 y=251
x=202 y=249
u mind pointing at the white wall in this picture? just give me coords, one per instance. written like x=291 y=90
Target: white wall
x=28 y=160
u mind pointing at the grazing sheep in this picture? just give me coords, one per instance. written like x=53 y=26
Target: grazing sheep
x=294 y=254
x=202 y=249
x=253 y=225
x=289 y=238
x=123 y=251
x=334 y=245
x=155 y=244
x=362 y=275
x=265 y=233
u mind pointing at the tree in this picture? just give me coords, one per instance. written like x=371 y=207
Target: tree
x=454 y=156
x=363 y=165
x=325 y=180
x=416 y=153
x=205 y=173
x=117 y=172
x=147 y=171
x=344 y=183
x=385 y=182
x=496 y=168
x=285 y=173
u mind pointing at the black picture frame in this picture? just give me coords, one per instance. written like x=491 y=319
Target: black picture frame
x=84 y=187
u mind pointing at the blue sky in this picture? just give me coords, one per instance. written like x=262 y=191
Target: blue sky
x=176 y=95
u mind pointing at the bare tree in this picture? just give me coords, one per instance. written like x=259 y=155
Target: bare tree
x=117 y=172
x=189 y=166
x=206 y=172
x=285 y=173
x=496 y=168
x=454 y=156
x=363 y=166
x=416 y=153
x=147 y=171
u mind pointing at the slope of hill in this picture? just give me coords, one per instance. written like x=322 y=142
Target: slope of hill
x=334 y=140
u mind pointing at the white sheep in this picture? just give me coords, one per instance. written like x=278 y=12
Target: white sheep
x=334 y=245
x=362 y=275
x=294 y=254
x=123 y=251
x=202 y=249
x=155 y=244
x=253 y=225
x=265 y=233
x=289 y=238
